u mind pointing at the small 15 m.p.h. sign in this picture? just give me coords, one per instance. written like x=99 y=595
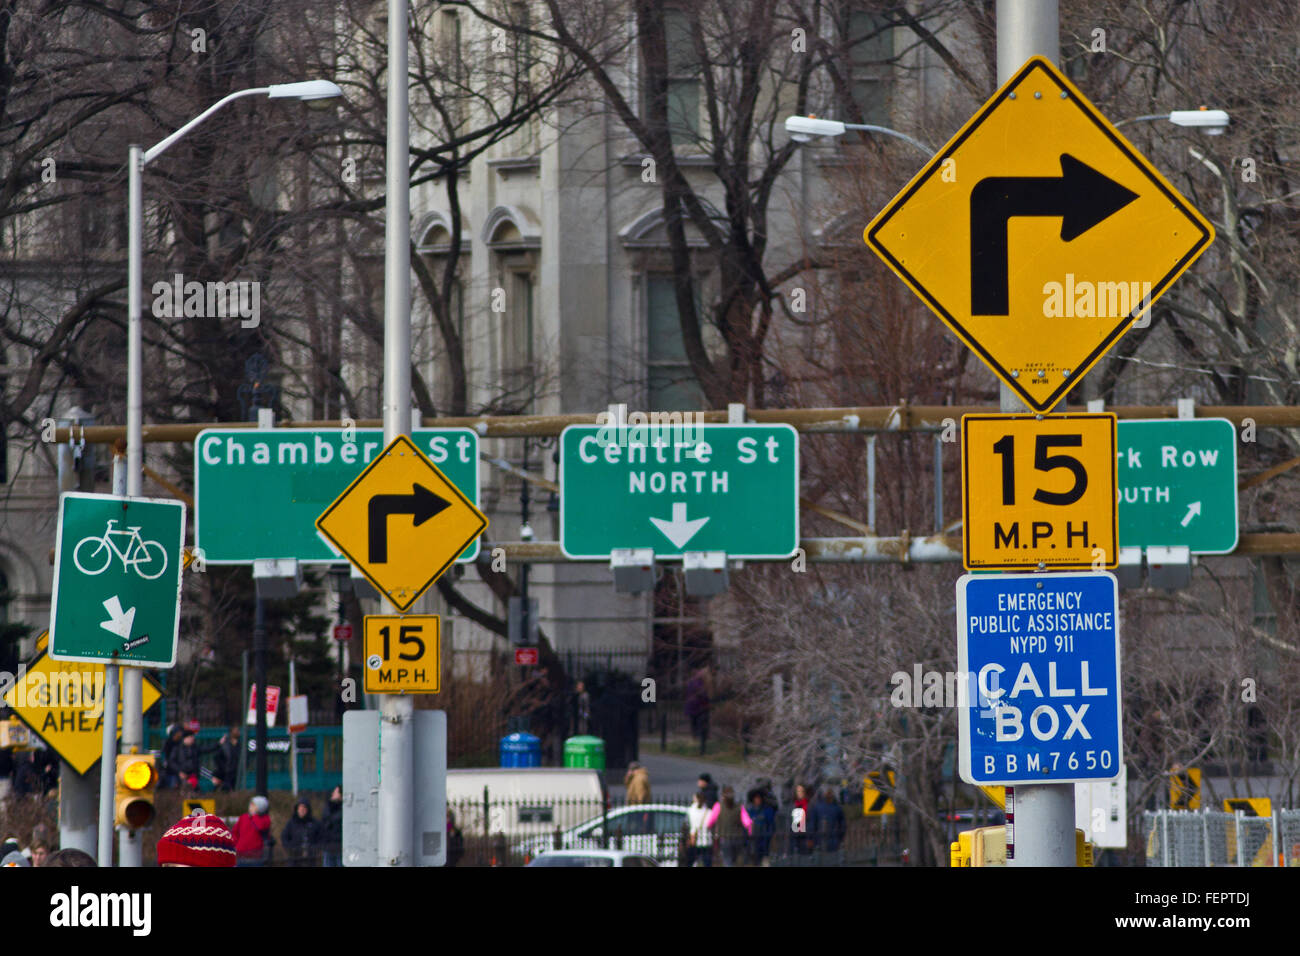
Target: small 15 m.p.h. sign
x=117 y=580
x=1041 y=656
x=402 y=654
x=1038 y=491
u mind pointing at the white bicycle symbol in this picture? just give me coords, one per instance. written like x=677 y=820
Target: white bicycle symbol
x=148 y=558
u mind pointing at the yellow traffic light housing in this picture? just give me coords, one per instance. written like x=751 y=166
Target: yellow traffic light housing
x=137 y=775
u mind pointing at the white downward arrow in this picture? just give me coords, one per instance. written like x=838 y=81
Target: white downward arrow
x=119 y=622
x=1193 y=510
x=679 y=530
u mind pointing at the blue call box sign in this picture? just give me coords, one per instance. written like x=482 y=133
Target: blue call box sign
x=1040 y=653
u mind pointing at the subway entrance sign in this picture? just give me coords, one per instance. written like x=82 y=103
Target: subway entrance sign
x=258 y=492
x=675 y=488
x=1041 y=656
x=1178 y=484
x=1038 y=234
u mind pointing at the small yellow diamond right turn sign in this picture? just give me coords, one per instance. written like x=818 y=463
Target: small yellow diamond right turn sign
x=401 y=522
x=1039 y=234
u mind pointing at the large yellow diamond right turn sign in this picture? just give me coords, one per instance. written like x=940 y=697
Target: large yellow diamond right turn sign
x=1039 y=234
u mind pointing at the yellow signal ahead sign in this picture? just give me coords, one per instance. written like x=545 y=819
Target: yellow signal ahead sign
x=875 y=803
x=1038 y=234
x=401 y=522
x=1039 y=491
x=207 y=806
x=402 y=653
x=63 y=704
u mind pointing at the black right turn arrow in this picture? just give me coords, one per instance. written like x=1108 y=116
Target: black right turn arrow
x=421 y=504
x=1081 y=196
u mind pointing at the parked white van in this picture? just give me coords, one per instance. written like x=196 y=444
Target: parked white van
x=523 y=801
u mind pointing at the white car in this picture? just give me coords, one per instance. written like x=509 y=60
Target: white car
x=592 y=858
x=647 y=829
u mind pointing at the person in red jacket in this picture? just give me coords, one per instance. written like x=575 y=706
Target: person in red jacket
x=252 y=833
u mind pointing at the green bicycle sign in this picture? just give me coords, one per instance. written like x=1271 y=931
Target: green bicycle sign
x=117 y=580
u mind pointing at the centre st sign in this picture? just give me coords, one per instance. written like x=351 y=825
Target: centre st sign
x=258 y=492
x=675 y=488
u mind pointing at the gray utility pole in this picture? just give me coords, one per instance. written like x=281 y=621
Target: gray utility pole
x=108 y=758
x=130 y=851
x=1044 y=813
x=397 y=711
x=77 y=818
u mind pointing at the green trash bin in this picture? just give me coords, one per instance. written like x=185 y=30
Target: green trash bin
x=585 y=751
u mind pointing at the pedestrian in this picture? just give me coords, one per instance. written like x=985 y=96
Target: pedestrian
x=225 y=766
x=764 y=817
x=170 y=775
x=455 y=840
x=40 y=853
x=699 y=838
x=708 y=789
x=252 y=833
x=731 y=826
x=697 y=706
x=637 y=782
x=581 y=708
x=6 y=773
x=200 y=839
x=826 y=824
x=799 y=821
x=301 y=835
x=331 y=830
x=188 y=760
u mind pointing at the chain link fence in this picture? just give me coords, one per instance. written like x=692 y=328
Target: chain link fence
x=1216 y=838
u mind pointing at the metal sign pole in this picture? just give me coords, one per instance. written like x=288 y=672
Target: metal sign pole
x=1044 y=813
x=396 y=712
x=76 y=792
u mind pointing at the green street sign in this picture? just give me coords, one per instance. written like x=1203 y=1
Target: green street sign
x=677 y=488
x=1178 y=484
x=117 y=580
x=258 y=492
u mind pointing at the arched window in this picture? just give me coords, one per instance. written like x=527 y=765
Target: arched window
x=515 y=240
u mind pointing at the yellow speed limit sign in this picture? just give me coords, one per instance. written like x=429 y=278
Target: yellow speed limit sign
x=1038 y=491
x=401 y=654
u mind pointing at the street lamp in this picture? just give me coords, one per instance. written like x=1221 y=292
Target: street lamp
x=136 y=160
x=1214 y=122
x=804 y=128
x=131 y=677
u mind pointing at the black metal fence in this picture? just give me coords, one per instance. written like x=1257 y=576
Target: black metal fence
x=512 y=831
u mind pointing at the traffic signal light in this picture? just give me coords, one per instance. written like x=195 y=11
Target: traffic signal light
x=137 y=775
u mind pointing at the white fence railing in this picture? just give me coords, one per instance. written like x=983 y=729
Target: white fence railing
x=1215 y=838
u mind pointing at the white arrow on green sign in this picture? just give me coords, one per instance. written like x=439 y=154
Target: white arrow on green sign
x=117 y=580
x=676 y=488
x=258 y=492
x=1178 y=484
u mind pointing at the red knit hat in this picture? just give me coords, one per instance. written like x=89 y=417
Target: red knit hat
x=198 y=840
